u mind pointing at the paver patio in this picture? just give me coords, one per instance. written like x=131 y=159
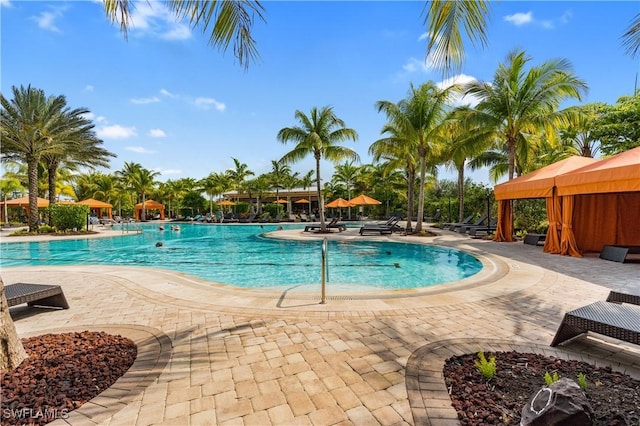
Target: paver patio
x=211 y=354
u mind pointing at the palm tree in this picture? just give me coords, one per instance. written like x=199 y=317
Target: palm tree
x=7 y=187
x=318 y=134
x=519 y=104
x=277 y=176
x=31 y=125
x=397 y=151
x=238 y=175
x=142 y=182
x=347 y=174
x=290 y=181
x=420 y=118
x=445 y=21
x=631 y=38
x=230 y=22
x=214 y=184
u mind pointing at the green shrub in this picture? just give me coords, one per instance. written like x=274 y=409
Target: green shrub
x=486 y=368
x=68 y=216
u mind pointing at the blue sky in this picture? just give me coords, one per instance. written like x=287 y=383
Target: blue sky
x=165 y=99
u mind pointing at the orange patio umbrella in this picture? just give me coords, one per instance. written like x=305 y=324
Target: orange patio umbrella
x=338 y=203
x=226 y=203
x=302 y=201
x=364 y=200
x=280 y=201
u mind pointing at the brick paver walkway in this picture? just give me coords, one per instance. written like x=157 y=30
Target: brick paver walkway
x=225 y=356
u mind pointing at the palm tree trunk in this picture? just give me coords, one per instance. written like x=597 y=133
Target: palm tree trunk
x=420 y=215
x=511 y=155
x=34 y=216
x=410 y=188
x=51 y=171
x=461 y=193
x=143 y=214
x=12 y=352
x=323 y=225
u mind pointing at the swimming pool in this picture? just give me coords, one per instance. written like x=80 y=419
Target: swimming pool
x=241 y=256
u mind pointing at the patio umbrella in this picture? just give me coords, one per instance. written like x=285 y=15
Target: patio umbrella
x=338 y=202
x=226 y=203
x=280 y=201
x=302 y=201
x=361 y=200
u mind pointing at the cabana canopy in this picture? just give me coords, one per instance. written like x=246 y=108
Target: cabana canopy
x=98 y=206
x=601 y=204
x=150 y=205
x=537 y=184
x=22 y=202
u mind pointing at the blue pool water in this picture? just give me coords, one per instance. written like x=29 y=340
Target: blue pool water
x=241 y=256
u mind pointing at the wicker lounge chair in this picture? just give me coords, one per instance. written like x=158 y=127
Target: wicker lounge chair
x=625 y=296
x=610 y=319
x=35 y=295
x=385 y=228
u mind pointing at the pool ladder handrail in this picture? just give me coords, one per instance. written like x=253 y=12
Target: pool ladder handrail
x=324 y=271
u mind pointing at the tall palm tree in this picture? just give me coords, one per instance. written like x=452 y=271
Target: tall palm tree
x=347 y=174
x=7 y=187
x=30 y=126
x=277 y=175
x=397 y=150
x=421 y=119
x=213 y=185
x=230 y=22
x=520 y=104
x=142 y=182
x=237 y=175
x=631 y=37
x=318 y=134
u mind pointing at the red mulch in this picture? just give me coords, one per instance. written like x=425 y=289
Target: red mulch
x=614 y=397
x=63 y=372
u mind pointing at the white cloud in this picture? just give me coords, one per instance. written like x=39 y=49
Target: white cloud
x=415 y=65
x=116 y=132
x=89 y=116
x=458 y=99
x=423 y=36
x=157 y=133
x=88 y=88
x=165 y=92
x=566 y=17
x=46 y=20
x=5 y=3
x=519 y=18
x=101 y=119
x=138 y=150
x=206 y=103
x=156 y=20
x=142 y=101
x=170 y=172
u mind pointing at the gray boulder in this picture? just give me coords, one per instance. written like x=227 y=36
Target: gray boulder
x=561 y=404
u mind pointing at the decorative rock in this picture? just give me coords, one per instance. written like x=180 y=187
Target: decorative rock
x=561 y=404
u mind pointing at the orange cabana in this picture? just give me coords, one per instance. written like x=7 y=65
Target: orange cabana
x=22 y=202
x=98 y=206
x=601 y=204
x=537 y=184
x=150 y=205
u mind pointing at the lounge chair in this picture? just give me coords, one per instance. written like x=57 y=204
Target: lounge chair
x=434 y=218
x=534 y=239
x=250 y=219
x=449 y=225
x=619 y=253
x=480 y=223
x=625 y=296
x=620 y=321
x=35 y=295
x=334 y=224
x=385 y=228
x=457 y=226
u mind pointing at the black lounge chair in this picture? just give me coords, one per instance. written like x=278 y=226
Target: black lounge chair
x=458 y=226
x=631 y=296
x=609 y=319
x=463 y=229
x=250 y=219
x=450 y=225
x=619 y=253
x=35 y=295
x=334 y=224
x=386 y=228
x=534 y=239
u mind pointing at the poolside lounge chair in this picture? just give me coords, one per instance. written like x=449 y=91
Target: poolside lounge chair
x=457 y=226
x=467 y=220
x=250 y=219
x=610 y=319
x=625 y=296
x=534 y=239
x=35 y=295
x=463 y=229
x=385 y=228
x=334 y=224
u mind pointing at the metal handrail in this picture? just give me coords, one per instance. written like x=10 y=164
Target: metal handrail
x=324 y=271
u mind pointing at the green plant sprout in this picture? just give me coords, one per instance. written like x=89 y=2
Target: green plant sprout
x=550 y=379
x=486 y=368
x=582 y=381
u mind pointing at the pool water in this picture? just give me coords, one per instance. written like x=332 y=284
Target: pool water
x=239 y=255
